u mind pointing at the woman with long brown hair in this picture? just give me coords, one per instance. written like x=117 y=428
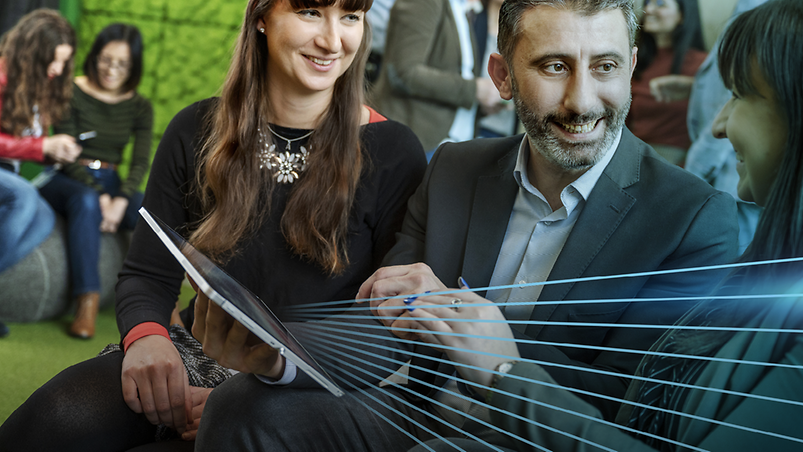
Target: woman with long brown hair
x=36 y=60
x=294 y=186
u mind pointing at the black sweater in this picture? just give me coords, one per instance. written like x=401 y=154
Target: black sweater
x=150 y=280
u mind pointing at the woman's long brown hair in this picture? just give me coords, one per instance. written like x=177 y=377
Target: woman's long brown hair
x=235 y=193
x=27 y=50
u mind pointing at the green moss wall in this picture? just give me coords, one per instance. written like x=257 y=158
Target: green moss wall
x=188 y=45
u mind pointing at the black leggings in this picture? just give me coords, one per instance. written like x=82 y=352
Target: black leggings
x=81 y=409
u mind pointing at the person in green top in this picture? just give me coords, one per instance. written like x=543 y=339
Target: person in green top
x=90 y=193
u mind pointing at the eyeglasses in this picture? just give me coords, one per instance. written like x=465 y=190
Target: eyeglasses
x=108 y=63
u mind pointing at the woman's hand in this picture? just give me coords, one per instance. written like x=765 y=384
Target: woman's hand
x=199 y=396
x=671 y=88
x=488 y=96
x=230 y=343
x=112 y=211
x=435 y=324
x=155 y=383
x=397 y=280
x=61 y=148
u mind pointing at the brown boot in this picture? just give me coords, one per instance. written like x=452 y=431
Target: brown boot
x=84 y=324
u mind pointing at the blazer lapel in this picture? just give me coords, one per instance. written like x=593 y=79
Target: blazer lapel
x=606 y=208
x=493 y=201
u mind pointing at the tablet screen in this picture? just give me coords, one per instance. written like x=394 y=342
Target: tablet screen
x=238 y=301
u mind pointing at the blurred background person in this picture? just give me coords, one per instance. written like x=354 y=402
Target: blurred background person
x=498 y=120
x=430 y=72
x=670 y=50
x=377 y=17
x=36 y=63
x=709 y=158
x=11 y=11
x=90 y=193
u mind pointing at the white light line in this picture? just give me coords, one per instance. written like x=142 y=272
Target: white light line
x=589 y=278
x=557 y=386
x=363 y=307
x=580 y=368
x=530 y=421
x=571 y=345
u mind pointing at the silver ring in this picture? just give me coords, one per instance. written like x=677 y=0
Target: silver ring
x=456 y=302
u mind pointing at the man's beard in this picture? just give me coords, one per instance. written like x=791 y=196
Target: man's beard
x=566 y=155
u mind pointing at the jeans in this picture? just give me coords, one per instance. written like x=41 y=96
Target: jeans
x=80 y=206
x=25 y=218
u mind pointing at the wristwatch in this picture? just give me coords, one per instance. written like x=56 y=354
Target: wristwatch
x=501 y=370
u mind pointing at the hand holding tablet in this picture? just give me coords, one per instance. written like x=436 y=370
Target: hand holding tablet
x=231 y=344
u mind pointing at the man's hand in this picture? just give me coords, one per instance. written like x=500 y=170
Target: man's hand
x=230 y=343
x=397 y=280
x=436 y=322
x=155 y=382
x=61 y=148
x=112 y=211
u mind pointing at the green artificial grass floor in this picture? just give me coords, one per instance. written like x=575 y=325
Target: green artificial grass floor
x=35 y=352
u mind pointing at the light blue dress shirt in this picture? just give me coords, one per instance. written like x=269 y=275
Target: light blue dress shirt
x=536 y=234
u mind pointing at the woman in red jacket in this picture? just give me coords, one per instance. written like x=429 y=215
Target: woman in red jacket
x=35 y=89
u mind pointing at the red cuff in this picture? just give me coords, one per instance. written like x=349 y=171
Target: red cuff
x=142 y=330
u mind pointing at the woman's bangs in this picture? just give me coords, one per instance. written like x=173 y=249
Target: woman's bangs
x=347 y=5
x=736 y=60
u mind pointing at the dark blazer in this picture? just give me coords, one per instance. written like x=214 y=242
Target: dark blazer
x=643 y=215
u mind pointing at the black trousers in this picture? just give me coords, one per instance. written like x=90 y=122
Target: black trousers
x=82 y=409
x=246 y=414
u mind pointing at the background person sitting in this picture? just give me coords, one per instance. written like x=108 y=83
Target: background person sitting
x=670 y=50
x=90 y=193
x=35 y=70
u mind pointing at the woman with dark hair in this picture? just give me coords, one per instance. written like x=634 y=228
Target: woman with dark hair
x=728 y=376
x=36 y=62
x=288 y=180
x=670 y=50
x=90 y=193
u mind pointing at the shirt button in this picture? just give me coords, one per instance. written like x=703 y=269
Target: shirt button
x=547 y=223
x=522 y=282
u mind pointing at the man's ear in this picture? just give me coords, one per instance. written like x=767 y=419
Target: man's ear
x=633 y=61
x=500 y=74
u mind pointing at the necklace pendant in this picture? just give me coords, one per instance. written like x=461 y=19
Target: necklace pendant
x=266 y=157
x=286 y=166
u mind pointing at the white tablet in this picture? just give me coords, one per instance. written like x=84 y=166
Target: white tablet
x=238 y=301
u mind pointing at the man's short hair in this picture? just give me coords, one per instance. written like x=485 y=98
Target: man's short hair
x=512 y=10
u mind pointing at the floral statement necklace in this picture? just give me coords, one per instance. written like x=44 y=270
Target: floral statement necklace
x=286 y=165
